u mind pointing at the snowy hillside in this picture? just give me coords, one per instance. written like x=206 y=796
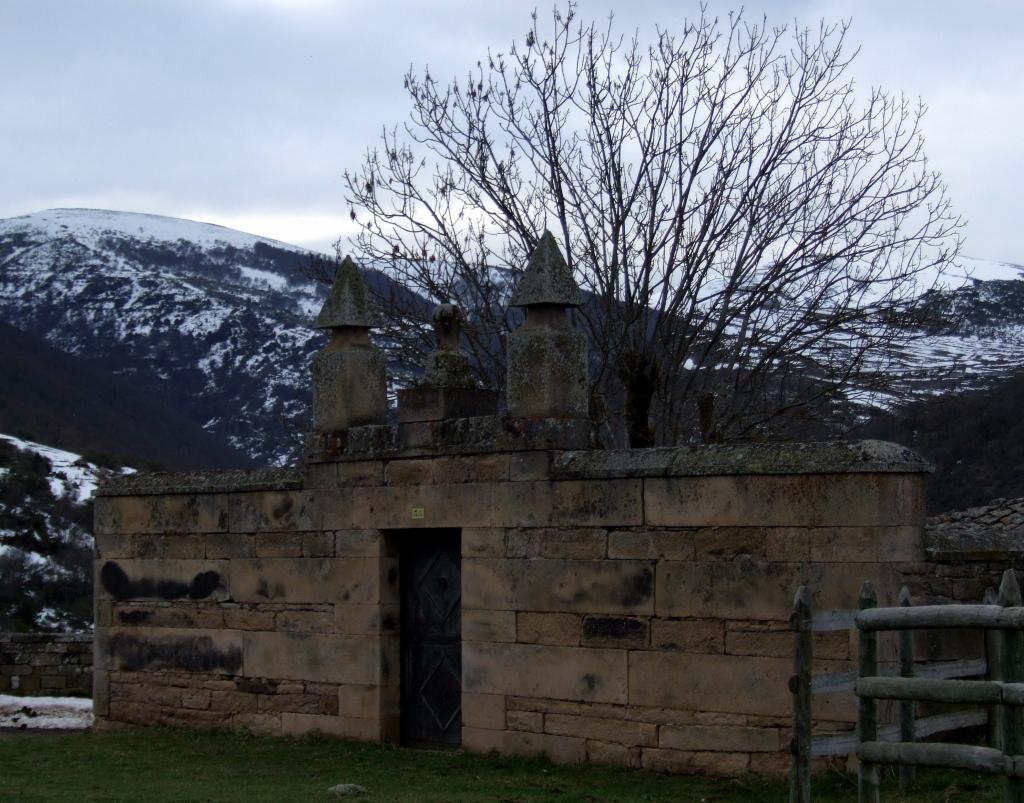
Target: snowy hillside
x=45 y=535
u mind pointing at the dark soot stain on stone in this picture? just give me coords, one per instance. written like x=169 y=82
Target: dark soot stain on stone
x=120 y=586
x=638 y=588
x=193 y=653
x=613 y=627
x=135 y=617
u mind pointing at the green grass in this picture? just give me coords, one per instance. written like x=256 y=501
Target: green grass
x=159 y=764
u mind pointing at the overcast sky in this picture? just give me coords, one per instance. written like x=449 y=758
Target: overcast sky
x=246 y=112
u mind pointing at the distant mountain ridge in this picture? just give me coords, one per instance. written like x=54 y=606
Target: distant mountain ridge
x=216 y=323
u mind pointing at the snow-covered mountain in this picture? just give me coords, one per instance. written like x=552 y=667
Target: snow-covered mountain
x=45 y=535
x=213 y=319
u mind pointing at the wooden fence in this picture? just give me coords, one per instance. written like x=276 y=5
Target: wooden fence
x=804 y=685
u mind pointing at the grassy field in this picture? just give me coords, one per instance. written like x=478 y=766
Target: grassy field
x=160 y=764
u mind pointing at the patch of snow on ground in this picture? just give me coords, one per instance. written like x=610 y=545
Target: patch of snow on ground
x=265 y=278
x=71 y=476
x=45 y=713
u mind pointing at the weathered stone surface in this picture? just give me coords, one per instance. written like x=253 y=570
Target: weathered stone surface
x=199 y=482
x=568 y=673
x=867 y=545
x=688 y=635
x=273 y=511
x=779 y=643
x=617 y=755
x=525 y=721
x=720 y=739
x=293 y=724
x=606 y=730
x=547 y=370
x=729 y=543
x=752 y=589
x=713 y=682
x=192 y=513
x=486 y=625
x=440 y=403
x=722 y=765
x=278 y=545
x=360 y=544
x=164 y=580
x=151 y=649
x=312 y=657
x=483 y=542
x=864 y=500
x=560 y=749
x=615 y=631
x=551 y=542
x=652 y=544
x=547 y=628
x=351 y=580
x=483 y=711
x=547 y=279
x=348 y=303
x=585 y=586
x=371 y=620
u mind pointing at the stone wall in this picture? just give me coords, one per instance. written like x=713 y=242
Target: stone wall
x=46 y=663
x=617 y=607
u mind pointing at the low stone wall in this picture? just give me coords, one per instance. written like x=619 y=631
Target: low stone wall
x=46 y=663
x=616 y=607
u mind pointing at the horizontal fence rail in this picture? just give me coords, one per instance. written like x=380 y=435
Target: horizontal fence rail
x=1002 y=690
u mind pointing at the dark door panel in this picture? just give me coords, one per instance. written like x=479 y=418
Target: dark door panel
x=431 y=637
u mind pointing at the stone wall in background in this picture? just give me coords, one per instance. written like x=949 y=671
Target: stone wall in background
x=46 y=663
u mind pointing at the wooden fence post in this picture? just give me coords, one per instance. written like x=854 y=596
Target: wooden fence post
x=1013 y=672
x=994 y=671
x=907 y=771
x=867 y=707
x=800 y=686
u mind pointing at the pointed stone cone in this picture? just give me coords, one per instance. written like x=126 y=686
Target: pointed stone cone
x=547 y=280
x=867 y=598
x=1009 y=590
x=904 y=597
x=348 y=303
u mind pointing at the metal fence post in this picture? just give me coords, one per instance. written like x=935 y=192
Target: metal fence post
x=800 y=687
x=867 y=708
x=907 y=772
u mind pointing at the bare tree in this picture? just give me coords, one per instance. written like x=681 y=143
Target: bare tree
x=750 y=233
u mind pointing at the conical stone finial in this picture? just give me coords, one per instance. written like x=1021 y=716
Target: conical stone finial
x=348 y=303
x=547 y=280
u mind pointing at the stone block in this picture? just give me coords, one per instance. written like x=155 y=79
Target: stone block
x=185 y=513
x=154 y=649
x=485 y=625
x=318 y=545
x=306 y=580
x=729 y=543
x=567 y=673
x=349 y=387
x=368 y=701
x=221 y=546
x=113 y=545
x=547 y=628
x=320 y=475
x=271 y=511
x=234 y=702
x=248 y=619
x=812 y=500
x=547 y=372
x=370 y=620
x=559 y=749
x=615 y=631
x=755 y=589
x=525 y=721
x=473 y=468
x=313 y=657
x=868 y=544
x=360 y=544
x=744 y=685
x=172 y=547
x=610 y=754
x=688 y=635
x=293 y=724
x=257 y=724
x=651 y=544
x=163 y=615
x=573 y=544
x=278 y=545
x=483 y=542
x=163 y=580
x=418 y=471
x=779 y=644
x=718 y=765
x=569 y=503
x=718 y=738
x=585 y=586
x=483 y=711
x=622 y=731
x=787 y=544
x=361 y=473
x=195 y=698
x=305 y=621
x=529 y=466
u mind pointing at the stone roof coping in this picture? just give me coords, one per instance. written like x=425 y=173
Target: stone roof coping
x=202 y=482
x=833 y=457
x=987 y=532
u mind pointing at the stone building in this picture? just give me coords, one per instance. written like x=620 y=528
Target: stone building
x=481 y=578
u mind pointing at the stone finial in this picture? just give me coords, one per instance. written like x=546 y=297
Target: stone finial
x=447 y=366
x=348 y=303
x=547 y=280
